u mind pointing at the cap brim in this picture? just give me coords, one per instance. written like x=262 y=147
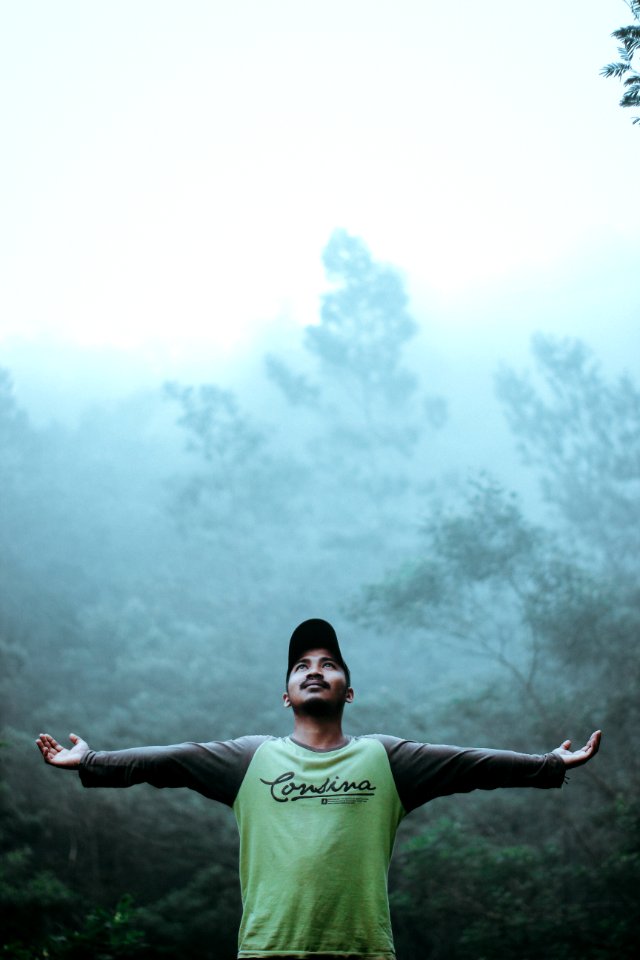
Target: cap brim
x=309 y=635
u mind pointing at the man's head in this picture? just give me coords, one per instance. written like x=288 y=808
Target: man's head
x=318 y=679
x=315 y=634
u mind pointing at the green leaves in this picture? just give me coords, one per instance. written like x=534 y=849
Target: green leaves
x=630 y=38
x=615 y=69
x=103 y=935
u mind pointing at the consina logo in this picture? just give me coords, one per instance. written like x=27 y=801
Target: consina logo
x=332 y=790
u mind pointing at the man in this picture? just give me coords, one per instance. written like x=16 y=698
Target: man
x=317 y=811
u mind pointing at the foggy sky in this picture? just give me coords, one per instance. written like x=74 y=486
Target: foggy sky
x=172 y=173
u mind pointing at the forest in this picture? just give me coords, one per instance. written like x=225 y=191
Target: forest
x=157 y=554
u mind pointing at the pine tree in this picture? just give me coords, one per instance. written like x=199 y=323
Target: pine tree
x=629 y=37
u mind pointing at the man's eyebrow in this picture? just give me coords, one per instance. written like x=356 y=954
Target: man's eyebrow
x=307 y=659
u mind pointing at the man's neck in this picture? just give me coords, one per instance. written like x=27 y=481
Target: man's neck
x=320 y=733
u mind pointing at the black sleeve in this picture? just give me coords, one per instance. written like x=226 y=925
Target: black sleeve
x=423 y=771
x=214 y=769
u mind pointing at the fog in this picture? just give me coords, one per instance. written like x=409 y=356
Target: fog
x=260 y=363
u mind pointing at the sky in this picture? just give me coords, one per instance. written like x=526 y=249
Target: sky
x=171 y=172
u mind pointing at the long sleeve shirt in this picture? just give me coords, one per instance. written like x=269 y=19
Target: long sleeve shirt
x=317 y=827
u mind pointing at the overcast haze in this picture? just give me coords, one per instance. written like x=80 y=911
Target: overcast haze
x=172 y=173
x=270 y=278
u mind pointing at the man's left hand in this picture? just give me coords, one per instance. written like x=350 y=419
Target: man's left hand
x=578 y=757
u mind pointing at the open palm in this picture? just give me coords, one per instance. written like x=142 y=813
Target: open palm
x=59 y=756
x=578 y=757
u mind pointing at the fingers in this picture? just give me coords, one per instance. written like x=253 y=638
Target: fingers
x=59 y=756
x=591 y=746
x=47 y=753
x=593 y=743
x=579 y=757
x=50 y=743
x=49 y=747
x=78 y=743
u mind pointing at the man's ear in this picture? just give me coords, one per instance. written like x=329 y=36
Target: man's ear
x=348 y=698
x=285 y=699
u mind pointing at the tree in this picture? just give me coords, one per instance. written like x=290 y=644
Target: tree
x=358 y=348
x=463 y=890
x=563 y=636
x=364 y=324
x=555 y=609
x=480 y=587
x=17 y=451
x=582 y=435
x=630 y=39
x=238 y=481
x=561 y=632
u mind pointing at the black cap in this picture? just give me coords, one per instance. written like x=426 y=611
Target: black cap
x=311 y=634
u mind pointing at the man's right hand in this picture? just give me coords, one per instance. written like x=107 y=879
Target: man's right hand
x=59 y=756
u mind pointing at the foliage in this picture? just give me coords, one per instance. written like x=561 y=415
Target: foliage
x=104 y=935
x=296 y=387
x=474 y=584
x=18 y=459
x=364 y=323
x=146 y=591
x=582 y=435
x=359 y=347
x=13 y=426
x=230 y=446
x=209 y=902
x=460 y=894
x=556 y=609
x=629 y=37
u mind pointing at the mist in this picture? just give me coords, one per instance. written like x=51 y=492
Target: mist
x=423 y=430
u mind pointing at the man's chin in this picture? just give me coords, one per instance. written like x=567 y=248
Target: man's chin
x=317 y=706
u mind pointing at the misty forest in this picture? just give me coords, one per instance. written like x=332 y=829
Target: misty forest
x=157 y=553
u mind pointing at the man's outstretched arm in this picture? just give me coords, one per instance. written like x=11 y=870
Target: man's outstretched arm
x=215 y=769
x=578 y=757
x=423 y=771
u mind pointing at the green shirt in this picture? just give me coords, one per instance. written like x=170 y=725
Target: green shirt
x=316 y=835
x=317 y=827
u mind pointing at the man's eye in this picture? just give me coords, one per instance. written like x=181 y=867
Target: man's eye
x=299 y=666
x=329 y=663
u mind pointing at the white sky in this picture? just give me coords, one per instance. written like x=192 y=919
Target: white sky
x=172 y=170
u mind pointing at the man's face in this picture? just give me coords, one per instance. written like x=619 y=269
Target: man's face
x=317 y=683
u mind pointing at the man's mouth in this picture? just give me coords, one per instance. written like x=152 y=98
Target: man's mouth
x=314 y=683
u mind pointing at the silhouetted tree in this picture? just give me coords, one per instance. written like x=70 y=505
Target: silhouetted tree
x=623 y=69
x=364 y=325
x=582 y=436
x=359 y=348
x=551 y=609
x=17 y=447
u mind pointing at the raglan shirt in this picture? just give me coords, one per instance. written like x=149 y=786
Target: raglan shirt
x=317 y=827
